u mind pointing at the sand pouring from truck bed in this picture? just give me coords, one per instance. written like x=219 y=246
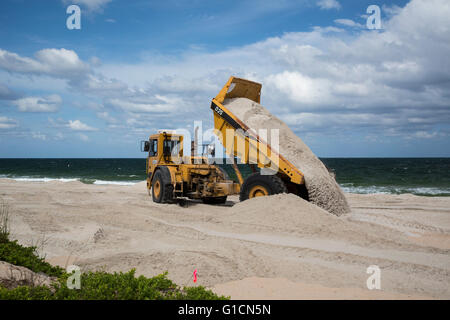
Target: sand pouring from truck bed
x=322 y=187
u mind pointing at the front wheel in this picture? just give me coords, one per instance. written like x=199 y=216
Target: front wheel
x=257 y=185
x=162 y=190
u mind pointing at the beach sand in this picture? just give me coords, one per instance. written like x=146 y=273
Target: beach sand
x=277 y=247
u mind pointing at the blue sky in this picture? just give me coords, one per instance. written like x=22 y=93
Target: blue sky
x=138 y=66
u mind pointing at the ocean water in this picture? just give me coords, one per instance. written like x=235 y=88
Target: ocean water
x=420 y=176
x=91 y=171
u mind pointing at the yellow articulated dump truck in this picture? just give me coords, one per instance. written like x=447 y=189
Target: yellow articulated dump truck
x=171 y=175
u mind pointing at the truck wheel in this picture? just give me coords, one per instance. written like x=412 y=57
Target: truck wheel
x=162 y=189
x=257 y=185
x=215 y=200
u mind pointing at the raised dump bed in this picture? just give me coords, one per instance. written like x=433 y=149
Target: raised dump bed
x=244 y=143
x=291 y=165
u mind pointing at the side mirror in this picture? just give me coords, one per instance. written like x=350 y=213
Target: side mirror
x=211 y=150
x=145 y=146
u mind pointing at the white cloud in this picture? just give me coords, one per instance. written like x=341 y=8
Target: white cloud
x=163 y=104
x=50 y=103
x=95 y=61
x=328 y=4
x=425 y=134
x=391 y=10
x=74 y=125
x=100 y=85
x=106 y=116
x=349 y=23
x=77 y=125
x=301 y=88
x=7 y=123
x=38 y=136
x=61 y=63
x=308 y=120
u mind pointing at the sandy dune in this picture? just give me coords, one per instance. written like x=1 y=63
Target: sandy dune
x=286 y=247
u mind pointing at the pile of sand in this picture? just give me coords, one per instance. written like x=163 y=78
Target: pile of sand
x=322 y=187
x=276 y=210
x=296 y=216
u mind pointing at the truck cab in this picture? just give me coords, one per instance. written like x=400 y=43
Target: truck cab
x=171 y=175
x=164 y=148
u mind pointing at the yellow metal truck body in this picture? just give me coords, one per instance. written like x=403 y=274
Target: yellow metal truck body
x=170 y=175
x=256 y=150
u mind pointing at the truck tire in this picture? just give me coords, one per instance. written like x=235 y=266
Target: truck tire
x=162 y=188
x=257 y=185
x=215 y=200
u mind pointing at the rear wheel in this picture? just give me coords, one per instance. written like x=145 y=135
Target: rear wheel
x=162 y=188
x=257 y=185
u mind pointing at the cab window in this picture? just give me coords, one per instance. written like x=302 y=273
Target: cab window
x=172 y=147
x=153 y=147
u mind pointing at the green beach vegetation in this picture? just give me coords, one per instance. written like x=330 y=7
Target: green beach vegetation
x=97 y=285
